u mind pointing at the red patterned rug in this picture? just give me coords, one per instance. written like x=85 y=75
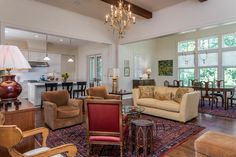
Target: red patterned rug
x=220 y=111
x=167 y=135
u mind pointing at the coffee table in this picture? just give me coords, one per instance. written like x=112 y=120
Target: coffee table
x=133 y=112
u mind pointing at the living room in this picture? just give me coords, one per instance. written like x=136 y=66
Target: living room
x=163 y=71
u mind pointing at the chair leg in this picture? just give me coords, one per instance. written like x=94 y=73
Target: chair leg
x=121 y=150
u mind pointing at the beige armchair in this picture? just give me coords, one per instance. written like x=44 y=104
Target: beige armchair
x=11 y=135
x=61 y=111
x=101 y=92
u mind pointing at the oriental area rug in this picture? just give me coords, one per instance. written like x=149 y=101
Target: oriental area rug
x=220 y=111
x=167 y=135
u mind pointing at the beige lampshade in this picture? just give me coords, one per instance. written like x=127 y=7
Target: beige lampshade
x=11 y=57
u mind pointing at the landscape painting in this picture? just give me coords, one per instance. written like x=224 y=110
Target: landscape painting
x=165 y=67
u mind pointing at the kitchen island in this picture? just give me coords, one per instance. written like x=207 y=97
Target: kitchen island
x=35 y=90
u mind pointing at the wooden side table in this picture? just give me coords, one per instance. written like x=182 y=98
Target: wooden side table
x=142 y=137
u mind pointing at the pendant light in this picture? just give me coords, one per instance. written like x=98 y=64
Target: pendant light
x=70 y=60
x=46 y=58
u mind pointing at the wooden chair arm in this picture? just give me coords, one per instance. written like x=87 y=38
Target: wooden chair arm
x=113 y=96
x=42 y=130
x=69 y=149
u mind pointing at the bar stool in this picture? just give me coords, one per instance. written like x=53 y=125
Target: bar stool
x=81 y=89
x=68 y=86
x=49 y=87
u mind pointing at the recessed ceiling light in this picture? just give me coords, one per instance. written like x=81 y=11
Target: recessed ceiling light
x=61 y=40
x=36 y=35
x=6 y=31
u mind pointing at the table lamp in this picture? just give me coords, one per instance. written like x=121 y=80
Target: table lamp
x=11 y=58
x=115 y=80
x=149 y=71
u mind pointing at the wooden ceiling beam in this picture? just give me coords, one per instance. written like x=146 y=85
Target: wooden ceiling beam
x=202 y=0
x=134 y=8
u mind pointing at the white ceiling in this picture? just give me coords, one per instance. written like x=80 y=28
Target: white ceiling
x=98 y=9
x=16 y=34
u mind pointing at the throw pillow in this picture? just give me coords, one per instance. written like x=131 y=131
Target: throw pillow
x=146 y=91
x=179 y=94
x=162 y=96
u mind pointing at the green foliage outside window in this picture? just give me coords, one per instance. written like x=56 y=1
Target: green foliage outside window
x=230 y=76
x=229 y=40
x=186 y=75
x=208 y=74
x=208 y=43
x=186 y=46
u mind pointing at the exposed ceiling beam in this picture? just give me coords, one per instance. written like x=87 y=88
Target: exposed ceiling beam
x=202 y=0
x=134 y=8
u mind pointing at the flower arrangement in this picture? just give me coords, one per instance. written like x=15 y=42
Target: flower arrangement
x=65 y=76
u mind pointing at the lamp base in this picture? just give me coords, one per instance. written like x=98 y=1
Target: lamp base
x=9 y=90
x=8 y=103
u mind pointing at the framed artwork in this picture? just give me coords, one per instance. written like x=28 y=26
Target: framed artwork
x=165 y=67
x=126 y=71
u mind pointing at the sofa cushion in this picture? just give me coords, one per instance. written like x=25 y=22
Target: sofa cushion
x=146 y=91
x=158 y=104
x=179 y=94
x=162 y=96
x=67 y=111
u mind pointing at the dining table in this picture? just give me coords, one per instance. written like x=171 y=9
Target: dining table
x=224 y=90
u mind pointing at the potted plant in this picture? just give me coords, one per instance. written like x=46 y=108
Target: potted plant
x=65 y=76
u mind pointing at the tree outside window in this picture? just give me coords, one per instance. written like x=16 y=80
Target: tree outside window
x=186 y=75
x=208 y=74
x=230 y=76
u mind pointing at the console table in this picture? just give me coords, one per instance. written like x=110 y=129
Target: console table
x=148 y=82
x=24 y=118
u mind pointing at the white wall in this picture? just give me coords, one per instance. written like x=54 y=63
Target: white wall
x=36 y=16
x=187 y=15
x=107 y=52
x=163 y=48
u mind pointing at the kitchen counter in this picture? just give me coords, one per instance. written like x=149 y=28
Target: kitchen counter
x=35 y=90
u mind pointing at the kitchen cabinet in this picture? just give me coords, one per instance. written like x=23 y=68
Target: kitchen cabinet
x=36 y=56
x=54 y=63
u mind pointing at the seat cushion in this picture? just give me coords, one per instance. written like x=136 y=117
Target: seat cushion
x=67 y=111
x=162 y=96
x=167 y=105
x=216 y=144
x=39 y=150
x=104 y=138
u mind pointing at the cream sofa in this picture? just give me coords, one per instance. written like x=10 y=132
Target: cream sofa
x=184 y=111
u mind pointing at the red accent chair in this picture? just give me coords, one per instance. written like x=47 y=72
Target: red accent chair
x=104 y=123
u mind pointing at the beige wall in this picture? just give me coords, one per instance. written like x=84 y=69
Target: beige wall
x=163 y=48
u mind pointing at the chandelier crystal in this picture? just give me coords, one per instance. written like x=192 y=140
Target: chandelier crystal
x=120 y=18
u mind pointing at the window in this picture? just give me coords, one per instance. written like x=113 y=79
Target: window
x=186 y=75
x=95 y=68
x=186 y=46
x=208 y=74
x=230 y=76
x=208 y=43
x=139 y=66
x=229 y=40
x=229 y=58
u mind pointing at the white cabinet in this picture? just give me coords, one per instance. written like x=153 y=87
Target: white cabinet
x=36 y=56
x=54 y=63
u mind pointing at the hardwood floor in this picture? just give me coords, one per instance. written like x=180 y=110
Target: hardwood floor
x=186 y=149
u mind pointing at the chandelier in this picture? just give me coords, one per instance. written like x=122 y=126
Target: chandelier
x=120 y=18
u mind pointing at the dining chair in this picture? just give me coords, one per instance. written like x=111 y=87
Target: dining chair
x=220 y=84
x=230 y=99
x=166 y=83
x=207 y=91
x=51 y=86
x=68 y=86
x=178 y=83
x=104 y=123
x=11 y=136
x=81 y=89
